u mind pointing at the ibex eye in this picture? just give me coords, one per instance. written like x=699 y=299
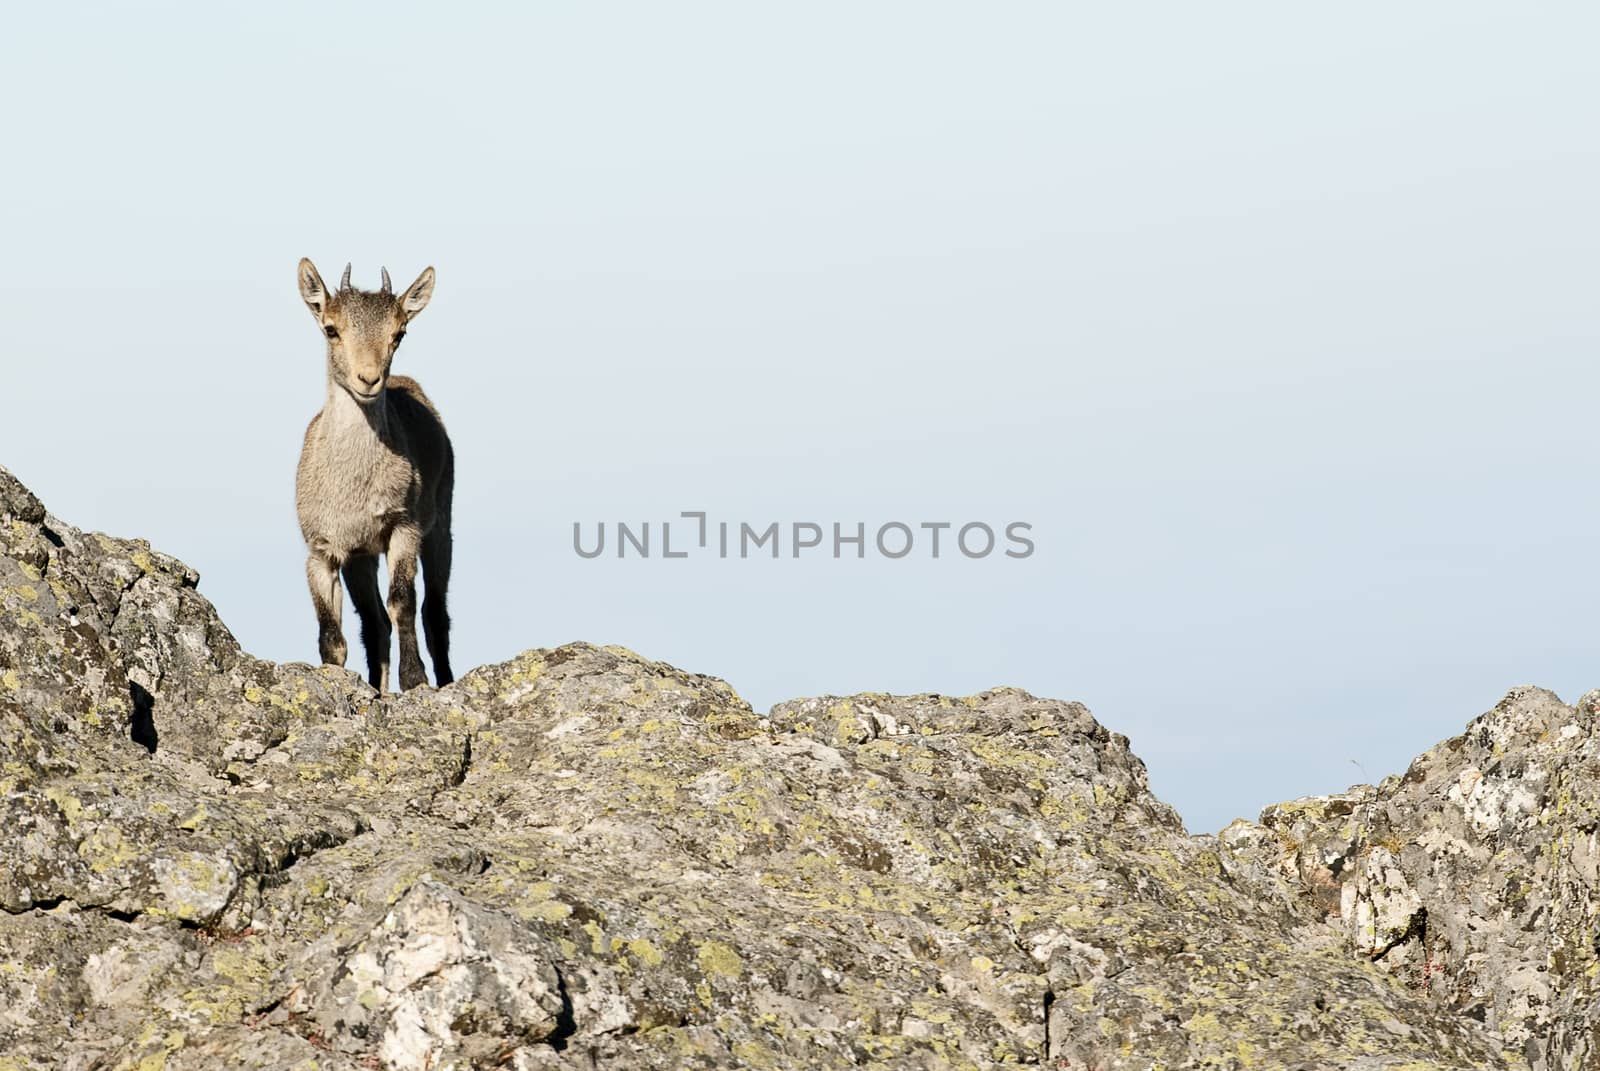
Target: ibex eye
x=331 y=331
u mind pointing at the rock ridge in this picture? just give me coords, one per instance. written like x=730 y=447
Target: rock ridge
x=584 y=858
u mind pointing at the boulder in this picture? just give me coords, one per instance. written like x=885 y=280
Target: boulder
x=582 y=857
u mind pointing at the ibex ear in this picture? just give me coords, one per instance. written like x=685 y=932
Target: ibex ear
x=415 y=299
x=312 y=289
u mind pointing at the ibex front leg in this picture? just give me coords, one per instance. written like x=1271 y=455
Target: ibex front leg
x=404 y=542
x=327 y=596
x=361 y=578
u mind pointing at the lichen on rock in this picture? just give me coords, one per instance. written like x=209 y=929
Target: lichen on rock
x=1473 y=878
x=582 y=857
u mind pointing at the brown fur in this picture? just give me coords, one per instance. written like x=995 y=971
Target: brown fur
x=376 y=476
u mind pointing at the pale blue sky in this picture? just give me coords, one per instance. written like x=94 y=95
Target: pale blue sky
x=1278 y=324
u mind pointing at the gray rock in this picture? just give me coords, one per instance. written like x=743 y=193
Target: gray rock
x=1473 y=877
x=584 y=858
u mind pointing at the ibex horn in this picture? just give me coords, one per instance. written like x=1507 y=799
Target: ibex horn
x=344 y=284
x=388 y=287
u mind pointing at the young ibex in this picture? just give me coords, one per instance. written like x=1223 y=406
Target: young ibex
x=376 y=476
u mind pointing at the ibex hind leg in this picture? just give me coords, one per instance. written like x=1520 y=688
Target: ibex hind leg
x=361 y=577
x=435 y=601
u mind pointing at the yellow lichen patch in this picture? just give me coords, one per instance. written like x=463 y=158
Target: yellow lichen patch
x=755 y=1054
x=70 y=806
x=666 y=933
x=929 y=1013
x=1206 y=1027
x=659 y=785
x=748 y=809
x=847 y=728
x=732 y=724
x=998 y=754
x=626 y=751
x=720 y=960
x=645 y=952
x=527 y=668
x=247 y=966
x=157 y=1060
x=546 y=911
x=400 y=882
x=9 y=681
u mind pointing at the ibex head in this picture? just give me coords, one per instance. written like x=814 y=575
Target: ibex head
x=363 y=327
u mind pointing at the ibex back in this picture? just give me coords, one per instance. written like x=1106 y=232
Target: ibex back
x=376 y=476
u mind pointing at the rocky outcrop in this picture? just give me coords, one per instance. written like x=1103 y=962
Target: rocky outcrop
x=1472 y=878
x=583 y=858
